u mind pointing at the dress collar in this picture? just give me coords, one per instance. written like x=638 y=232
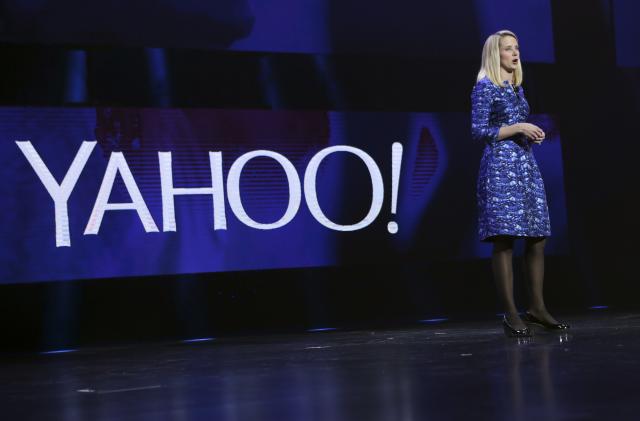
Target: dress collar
x=506 y=84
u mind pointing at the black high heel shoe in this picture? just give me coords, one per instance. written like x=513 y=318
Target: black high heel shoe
x=530 y=318
x=511 y=332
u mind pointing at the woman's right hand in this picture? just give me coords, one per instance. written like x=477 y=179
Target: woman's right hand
x=531 y=131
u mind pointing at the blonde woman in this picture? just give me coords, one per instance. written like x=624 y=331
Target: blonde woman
x=510 y=192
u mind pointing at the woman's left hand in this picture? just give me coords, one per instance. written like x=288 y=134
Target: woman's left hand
x=538 y=139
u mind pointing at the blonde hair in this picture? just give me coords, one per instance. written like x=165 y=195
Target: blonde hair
x=490 y=66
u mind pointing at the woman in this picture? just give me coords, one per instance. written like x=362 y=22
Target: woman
x=510 y=191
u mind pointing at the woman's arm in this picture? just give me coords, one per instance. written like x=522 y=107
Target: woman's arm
x=481 y=98
x=509 y=131
x=481 y=130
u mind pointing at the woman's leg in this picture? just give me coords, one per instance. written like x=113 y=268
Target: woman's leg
x=534 y=271
x=502 y=263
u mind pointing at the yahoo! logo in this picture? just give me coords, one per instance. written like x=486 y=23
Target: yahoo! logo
x=117 y=164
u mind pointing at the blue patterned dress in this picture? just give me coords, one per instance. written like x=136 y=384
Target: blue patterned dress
x=510 y=191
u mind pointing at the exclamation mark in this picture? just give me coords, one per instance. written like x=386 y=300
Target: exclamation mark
x=396 y=164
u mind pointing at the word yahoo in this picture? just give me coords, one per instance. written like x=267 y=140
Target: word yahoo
x=118 y=165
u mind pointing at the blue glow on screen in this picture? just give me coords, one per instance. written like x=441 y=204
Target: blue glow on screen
x=347 y=222
x=439 y=30
x=627 y=32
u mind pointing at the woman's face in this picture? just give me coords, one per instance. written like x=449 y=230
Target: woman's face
x=509 y=53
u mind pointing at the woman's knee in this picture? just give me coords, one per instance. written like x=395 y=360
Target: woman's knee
x=502 y=243
x=535 y=244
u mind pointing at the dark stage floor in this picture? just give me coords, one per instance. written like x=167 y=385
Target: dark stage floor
x=449 y=370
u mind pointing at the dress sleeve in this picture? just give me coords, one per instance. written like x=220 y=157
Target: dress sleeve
x=481 y=97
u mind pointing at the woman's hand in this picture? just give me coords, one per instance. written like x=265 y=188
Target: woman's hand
x=531 y=131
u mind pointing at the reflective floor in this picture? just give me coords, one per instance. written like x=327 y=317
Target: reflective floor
x=448 y=370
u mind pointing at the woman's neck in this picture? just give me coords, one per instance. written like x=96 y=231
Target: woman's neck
x=506 y=76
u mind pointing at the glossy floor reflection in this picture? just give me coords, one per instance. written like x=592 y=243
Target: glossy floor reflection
x=450 y=370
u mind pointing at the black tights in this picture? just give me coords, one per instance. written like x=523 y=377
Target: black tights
x=534 y=270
